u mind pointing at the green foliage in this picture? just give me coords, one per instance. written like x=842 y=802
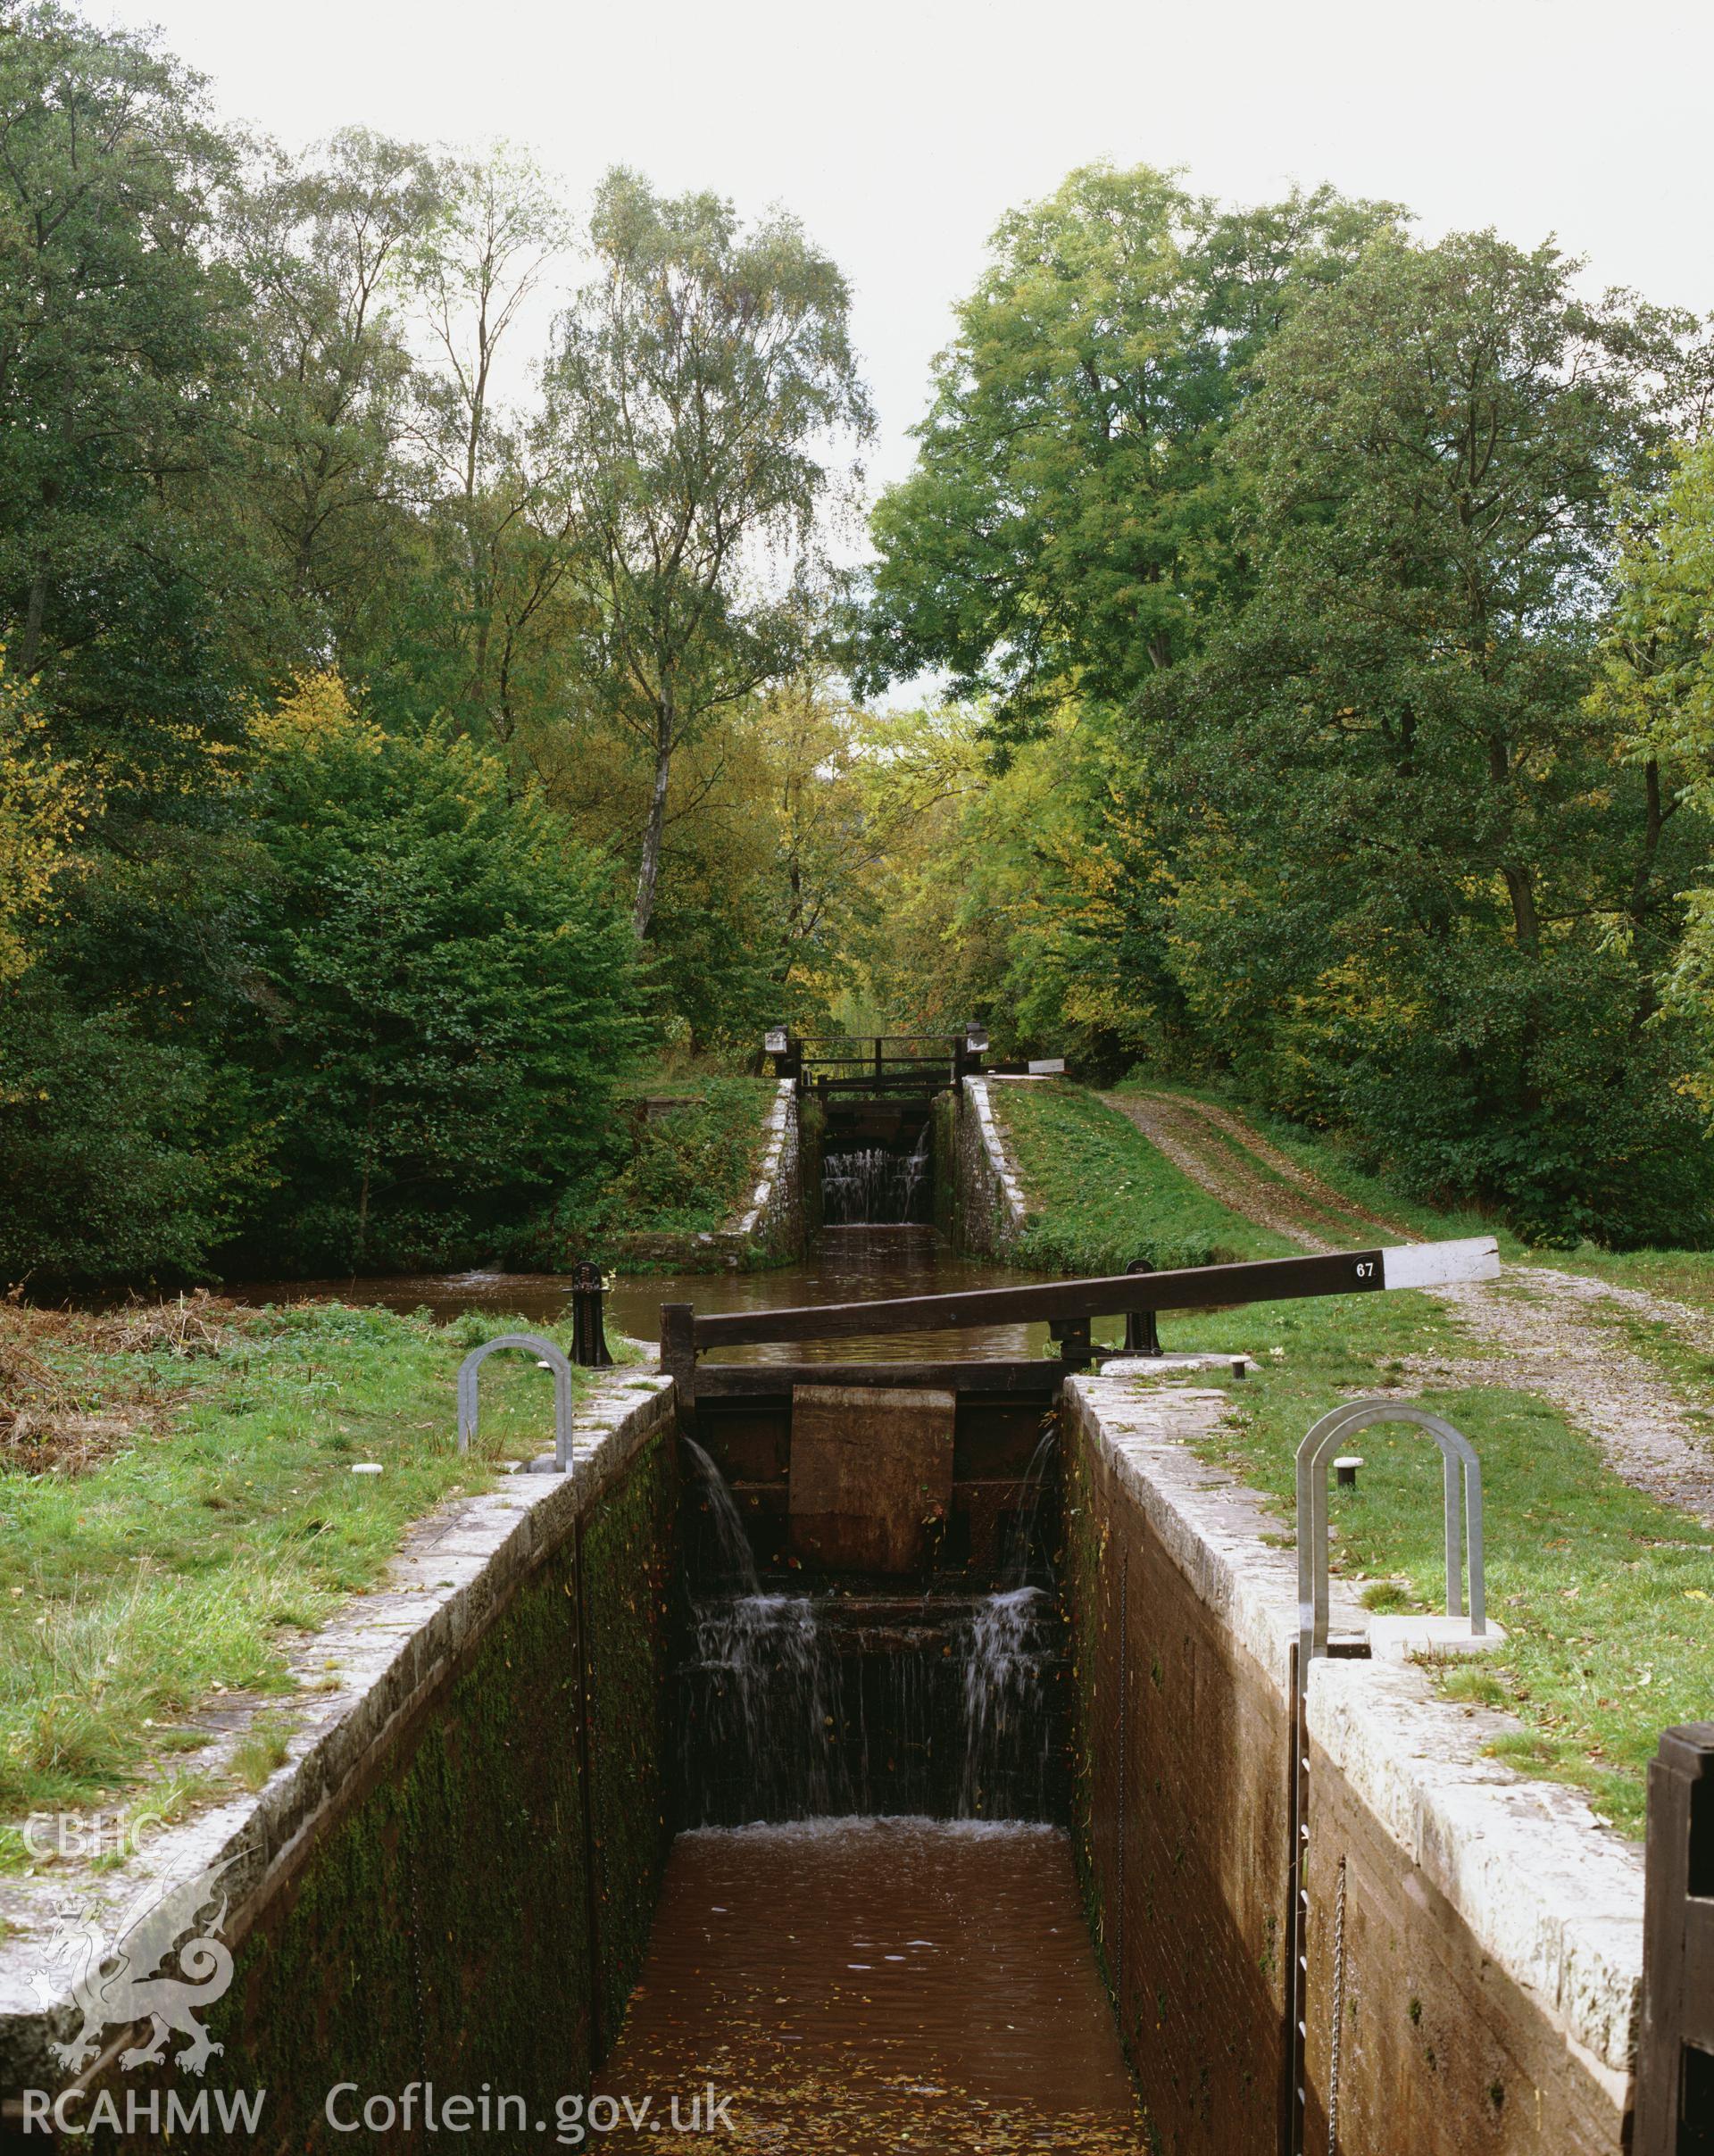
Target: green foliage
x=101 y=1174
x=697 y=383
x=1420 y=891
x=42 y=801
x=112 y=320
x=1068 y=523
x=1658 y=680
x=369 y=1008
x=439 y=999
x=1333 y=613
x=328 y=393
x=691 y=1166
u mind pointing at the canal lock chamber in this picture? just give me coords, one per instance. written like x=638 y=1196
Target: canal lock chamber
x=811 y=1677
x=870 y=1160
x=838 y=1663
x=522 y=1855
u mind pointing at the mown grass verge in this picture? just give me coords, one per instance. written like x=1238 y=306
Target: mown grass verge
x=220 y=1524
x=1102 y=1196
x=1607 y=1596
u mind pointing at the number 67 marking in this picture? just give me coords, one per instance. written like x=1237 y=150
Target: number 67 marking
x=1365 y=1269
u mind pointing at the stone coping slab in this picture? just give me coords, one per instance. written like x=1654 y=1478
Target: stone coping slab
x=363 y=1678
x=1000 y=1160
x=1553 y=1895
x=781 y=1116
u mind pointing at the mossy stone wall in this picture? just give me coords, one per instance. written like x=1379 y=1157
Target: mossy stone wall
x=479 y=1910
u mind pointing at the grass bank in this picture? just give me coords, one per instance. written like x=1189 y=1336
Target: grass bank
x=1680 y=1276
x=696 y=1147
x=1331 y=1162
x=1607 y=1596
x=181 y=1510
x=1101 y=1195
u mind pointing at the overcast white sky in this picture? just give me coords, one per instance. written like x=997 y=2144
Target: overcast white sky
x=899 y=133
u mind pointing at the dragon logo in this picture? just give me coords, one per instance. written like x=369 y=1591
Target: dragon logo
x=117 y=1986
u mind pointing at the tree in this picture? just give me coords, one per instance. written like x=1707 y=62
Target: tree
x=327 y=412
x=113 y=324
x=701 y=383
x=103 y=1174
x=43 y=801
x=503 y=531
x=1408 y=833
x=440 y=995
x=1067 y=529
x=1657 y=683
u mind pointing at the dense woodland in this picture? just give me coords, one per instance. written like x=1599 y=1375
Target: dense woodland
x=435 y=686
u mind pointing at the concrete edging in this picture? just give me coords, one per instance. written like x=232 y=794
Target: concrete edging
x=778 y=1161
x=1001 y=1168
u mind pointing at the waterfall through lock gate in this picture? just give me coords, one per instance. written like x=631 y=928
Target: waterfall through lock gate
x=875 y=1185
x=1012 y=1647
x=798 y=1706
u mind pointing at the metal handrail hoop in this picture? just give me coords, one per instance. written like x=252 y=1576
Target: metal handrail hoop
x=1459 y=1467
x=469 y=1372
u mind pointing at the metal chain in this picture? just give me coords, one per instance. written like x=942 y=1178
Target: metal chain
x=1338 y=2012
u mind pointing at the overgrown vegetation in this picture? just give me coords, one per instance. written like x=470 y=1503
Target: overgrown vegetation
x=364 y=738
x=1339 y=604
x=218 y=1521
x=692 y=1163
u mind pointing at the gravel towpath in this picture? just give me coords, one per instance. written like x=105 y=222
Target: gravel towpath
x=1534 y=1330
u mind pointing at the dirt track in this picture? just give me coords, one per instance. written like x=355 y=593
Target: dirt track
x=1539 y=1330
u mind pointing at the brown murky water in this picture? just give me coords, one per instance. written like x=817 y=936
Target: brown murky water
x=854 y=1987
x=845 y=1265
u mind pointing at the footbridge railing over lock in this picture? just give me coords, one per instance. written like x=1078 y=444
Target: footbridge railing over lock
x=873 y=1064
x=1069 y=1308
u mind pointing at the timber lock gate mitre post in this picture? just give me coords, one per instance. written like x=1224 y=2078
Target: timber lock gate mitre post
x=1675 y=2059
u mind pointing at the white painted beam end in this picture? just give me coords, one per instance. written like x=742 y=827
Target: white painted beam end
x=1439 y=1264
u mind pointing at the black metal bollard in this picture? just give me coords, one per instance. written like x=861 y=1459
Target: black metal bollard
x=588 y=1321
x=1141 y=1334
x=1072 y=1334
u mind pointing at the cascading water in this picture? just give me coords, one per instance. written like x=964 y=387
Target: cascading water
x=1013 y=1637
x=767 y=1703
x=871 y=1187
x=765 y=1693
x=733 y=1564
x=1028 y=1560
x=1014 y=1644
x=798 y=1706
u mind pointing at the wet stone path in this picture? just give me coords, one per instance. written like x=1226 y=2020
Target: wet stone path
x=846 y=1987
